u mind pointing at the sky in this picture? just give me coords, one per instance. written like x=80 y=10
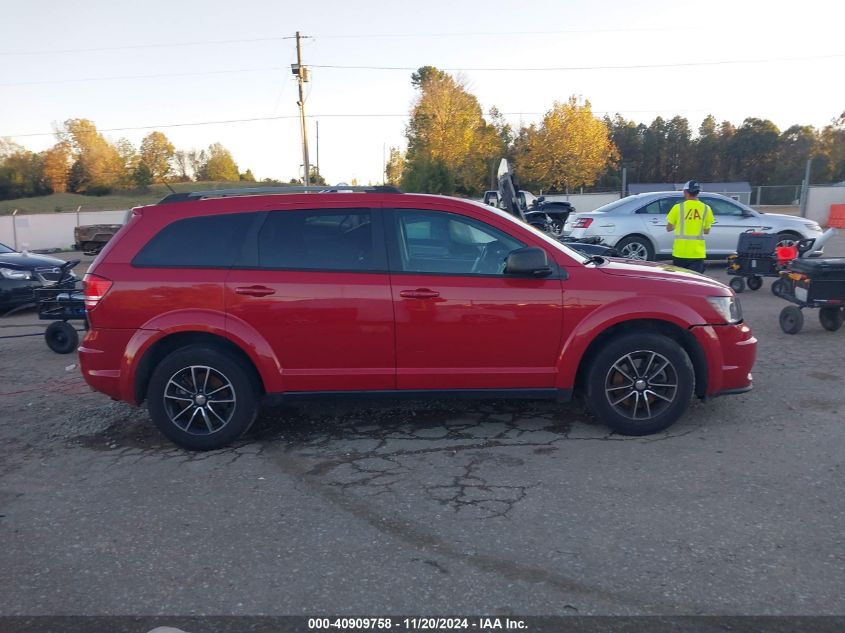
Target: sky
x=162 y=64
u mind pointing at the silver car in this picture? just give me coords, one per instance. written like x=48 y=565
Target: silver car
x=636 y=225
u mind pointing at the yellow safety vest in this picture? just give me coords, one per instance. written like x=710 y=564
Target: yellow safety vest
x=690 y=218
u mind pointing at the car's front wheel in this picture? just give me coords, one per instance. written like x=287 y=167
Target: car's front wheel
x=202 y=398
x=635 y=247
x=640 y=383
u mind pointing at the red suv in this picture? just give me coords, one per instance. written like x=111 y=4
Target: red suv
x=207 y=304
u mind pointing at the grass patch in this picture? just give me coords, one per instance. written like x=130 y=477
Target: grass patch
x=118 y=200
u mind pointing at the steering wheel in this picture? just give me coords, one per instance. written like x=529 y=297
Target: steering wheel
x=490 y=258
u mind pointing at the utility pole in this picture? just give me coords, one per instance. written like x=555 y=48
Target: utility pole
x=805 y=189
x=301 y=73
x=318 y=147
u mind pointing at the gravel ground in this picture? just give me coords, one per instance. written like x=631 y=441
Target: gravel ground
x=430 y=508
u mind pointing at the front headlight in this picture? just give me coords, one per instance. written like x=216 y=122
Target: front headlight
x=728 y=308
x=11 y=273
x=813 y=226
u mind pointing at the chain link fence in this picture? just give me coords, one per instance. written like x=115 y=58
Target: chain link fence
x=772 y=195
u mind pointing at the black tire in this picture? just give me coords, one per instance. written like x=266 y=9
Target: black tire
x=737 y=284
x=635 y=247
x=176 y=381
x=658 y=402
x=61 y=337
x=778 y=286
x=830 y=318
x=755 y=282
x=791 y=320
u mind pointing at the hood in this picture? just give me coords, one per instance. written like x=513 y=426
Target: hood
x=29 y=261
x=658 y=270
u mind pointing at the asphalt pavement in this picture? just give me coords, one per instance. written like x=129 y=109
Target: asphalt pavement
x=432 y=508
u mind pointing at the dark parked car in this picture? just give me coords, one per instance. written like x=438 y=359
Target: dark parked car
x=206 y=305
x=21 y=274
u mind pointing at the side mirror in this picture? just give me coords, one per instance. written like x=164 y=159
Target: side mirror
x=529 y=261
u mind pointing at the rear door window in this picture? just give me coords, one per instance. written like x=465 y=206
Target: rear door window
x=328 y=239
x=211 y=241
x=659 y=207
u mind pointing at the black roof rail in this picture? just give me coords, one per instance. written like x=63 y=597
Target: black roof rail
x=253 y=191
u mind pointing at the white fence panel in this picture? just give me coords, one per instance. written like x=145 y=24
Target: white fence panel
x=819 y=200
x=584 y=202
x=50 y=230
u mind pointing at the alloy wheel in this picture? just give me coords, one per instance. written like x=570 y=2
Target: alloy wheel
x=199 y=400
x=641 y=385
x=634 y=250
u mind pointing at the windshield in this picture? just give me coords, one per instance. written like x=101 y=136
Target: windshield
x=6 y=249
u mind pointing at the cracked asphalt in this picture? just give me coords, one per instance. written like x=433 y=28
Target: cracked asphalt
x=525 y=508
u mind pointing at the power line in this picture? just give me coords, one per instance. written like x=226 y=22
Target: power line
x=126 y=47
x=122 y=47
x=449 y=69
x=318 y=116
x=151 y=76
x=609 y=67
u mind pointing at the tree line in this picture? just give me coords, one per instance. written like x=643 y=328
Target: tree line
x=453 y=148
x=84 y=161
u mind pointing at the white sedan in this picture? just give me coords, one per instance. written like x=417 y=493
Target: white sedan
x=636 y=225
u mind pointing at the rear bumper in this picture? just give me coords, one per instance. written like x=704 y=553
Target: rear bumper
x=100 y=359
x=730 y=351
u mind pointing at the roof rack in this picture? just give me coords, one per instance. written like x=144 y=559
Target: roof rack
x=253 y=191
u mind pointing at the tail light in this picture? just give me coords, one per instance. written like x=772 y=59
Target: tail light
x=582 y=223
x=95 y=288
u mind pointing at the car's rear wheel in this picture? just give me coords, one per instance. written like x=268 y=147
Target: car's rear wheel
x=635 y=247
x=640 y=383
x=202 y=398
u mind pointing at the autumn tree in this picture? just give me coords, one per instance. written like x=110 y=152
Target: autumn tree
x=394 y=167
x=98 y=164
x=247 y=176
x=22 y=175
x=128 y=160
x=570 y=148
x=447 y=130
x=57 y=162
x=219 y=165
x=156 y=152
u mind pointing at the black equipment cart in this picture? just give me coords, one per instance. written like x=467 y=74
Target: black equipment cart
x=814 y=283
x=755 y=258
x=60 y=303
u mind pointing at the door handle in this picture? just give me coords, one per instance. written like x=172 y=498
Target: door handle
x=419 y=293
x=254 y=291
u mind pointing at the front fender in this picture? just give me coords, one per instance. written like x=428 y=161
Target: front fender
x=604 y=316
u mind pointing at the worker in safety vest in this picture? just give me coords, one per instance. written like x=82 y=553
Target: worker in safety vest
x=690 y=220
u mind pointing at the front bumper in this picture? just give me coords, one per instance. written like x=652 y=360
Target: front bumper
x=730 y=351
